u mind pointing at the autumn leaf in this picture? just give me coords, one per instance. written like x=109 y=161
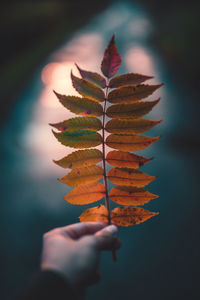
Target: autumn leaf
x=111 y=60
x=126 y=126
x=82 y=176
x=81 y=106
x=86 y=194
x=130 y=195
x=129 y=94
x=130 y=142
x=93 y=77
x=80 y=159
x=128 y=79
x=79 y=138
x=126 y=159
x=127 y=216
x=125 y=92
x=86 y=123
x=133 y=110
x=129 y=177
x=95 y=214
x=87 y=89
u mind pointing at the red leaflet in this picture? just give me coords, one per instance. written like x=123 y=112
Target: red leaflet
x=111 y=60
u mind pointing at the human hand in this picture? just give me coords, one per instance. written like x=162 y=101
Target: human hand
x=74 y=251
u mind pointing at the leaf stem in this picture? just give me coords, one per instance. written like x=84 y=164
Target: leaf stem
x=107 y=203
x=104 y=155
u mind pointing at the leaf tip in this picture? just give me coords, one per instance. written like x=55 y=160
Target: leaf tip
x=112 y=40
x=78 y=67
x=54 y=133
x=57 y=94
x=72 y=75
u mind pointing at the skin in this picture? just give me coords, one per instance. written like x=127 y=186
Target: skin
x=74 y=251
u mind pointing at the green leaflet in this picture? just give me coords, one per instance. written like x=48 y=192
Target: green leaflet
x=133 y=110
x=83 y=176
x=80 y=159
x=87 y=89
x=87 y=123
x=79 y=139
x=81 y=106
x=93 y=77
x=129 y=94
x=128 y=79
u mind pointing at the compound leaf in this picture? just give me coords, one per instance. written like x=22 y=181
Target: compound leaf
x=130 y=177
x=95 y=214
x=129 y=195
x=128 y=79
x=81 y=106
x=123 y=159
x=129 y=142
x=133 y=110
x=126 y=126
x=80 y=159
x=79 y=138
x=129 y=94
x=93 y=77
x=111 y=60
x=86 y=194
x=87 y=89
x=87 y=123
x=82 y=176
x=128 y=215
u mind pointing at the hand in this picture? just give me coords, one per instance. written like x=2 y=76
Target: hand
x=74 y=251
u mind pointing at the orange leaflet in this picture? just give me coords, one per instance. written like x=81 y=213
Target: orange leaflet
x=130 y=177
x=86 y=194
x=127 y=216
x=95 y=214
x=129 y=195
x=126 y=159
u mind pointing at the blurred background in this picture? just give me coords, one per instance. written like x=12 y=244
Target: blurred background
x=40 y=41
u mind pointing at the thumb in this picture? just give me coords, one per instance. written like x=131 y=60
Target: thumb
x=105 y=237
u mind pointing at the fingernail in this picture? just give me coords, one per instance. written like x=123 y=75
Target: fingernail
x=112 y=229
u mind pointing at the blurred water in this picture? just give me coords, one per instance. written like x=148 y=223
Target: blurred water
x=158 y=257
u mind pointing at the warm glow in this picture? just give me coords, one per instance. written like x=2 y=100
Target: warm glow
x=56 y=76
x=86 y=50
x=139 y=61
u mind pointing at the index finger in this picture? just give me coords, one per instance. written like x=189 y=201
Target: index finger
x=78 y=230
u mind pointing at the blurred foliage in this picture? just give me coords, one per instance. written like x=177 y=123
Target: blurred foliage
x=177 y=36
x=30 y=30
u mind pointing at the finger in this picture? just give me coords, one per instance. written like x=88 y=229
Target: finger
x=78 y=230
x=117 y=244
x=104 y=239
